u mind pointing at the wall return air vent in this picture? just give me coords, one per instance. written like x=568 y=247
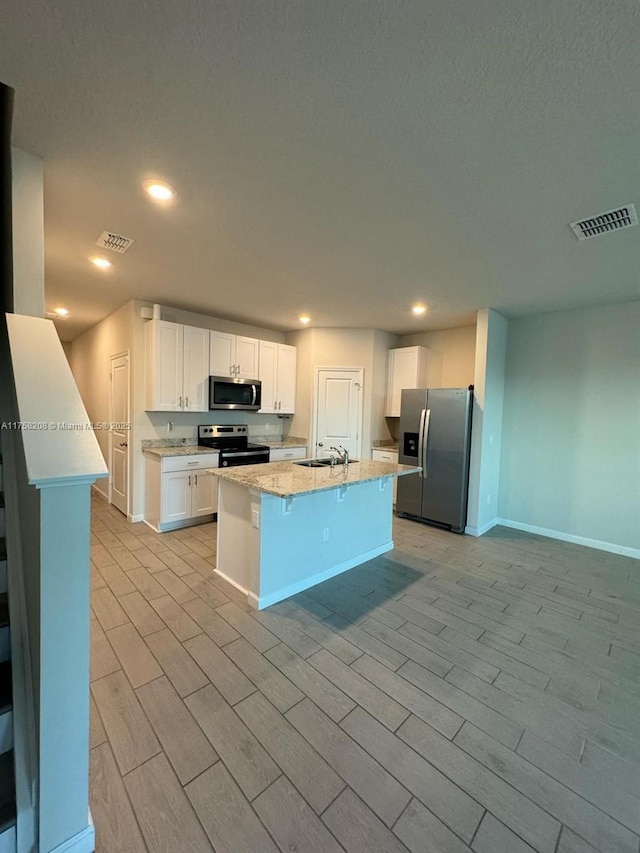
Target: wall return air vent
x=114 y=242
x=601 y=223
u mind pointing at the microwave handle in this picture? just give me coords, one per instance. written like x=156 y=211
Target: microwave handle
x=255 y=395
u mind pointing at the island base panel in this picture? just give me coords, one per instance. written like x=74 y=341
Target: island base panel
x=271 y=547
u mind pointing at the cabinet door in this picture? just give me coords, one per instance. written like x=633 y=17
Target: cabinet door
x=164 y=366
x=196 y=370
x=204 y=493
x=387 y=456
x=176 y=496
x=403 y=372
x=286 y=384
x=247 y=357
x=268 y=376
x=222 y=353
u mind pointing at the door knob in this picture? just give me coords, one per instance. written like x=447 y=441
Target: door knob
x=123 y=444
x=320 y=444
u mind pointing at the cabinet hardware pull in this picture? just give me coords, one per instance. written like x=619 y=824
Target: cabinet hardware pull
x=181 y=403
x=189 y=480
x=186 y=402
x=196 y=479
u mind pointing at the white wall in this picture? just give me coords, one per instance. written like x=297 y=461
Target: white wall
x=571 y=441
x=27 y=187
x=382 y=429
x=452 y=354
x=90 y=366
x=486 y=431
x=366 y=348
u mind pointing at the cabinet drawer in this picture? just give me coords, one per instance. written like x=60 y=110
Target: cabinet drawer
x=287 y=453
x=189 y=463
x=385 y=456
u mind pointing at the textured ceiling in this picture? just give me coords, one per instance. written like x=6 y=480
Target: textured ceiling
x=343 y=157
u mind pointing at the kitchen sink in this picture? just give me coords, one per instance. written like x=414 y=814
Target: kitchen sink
x=319 y=463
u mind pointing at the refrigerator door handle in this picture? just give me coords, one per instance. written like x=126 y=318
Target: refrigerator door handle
x=421 y=444
x=425 y=442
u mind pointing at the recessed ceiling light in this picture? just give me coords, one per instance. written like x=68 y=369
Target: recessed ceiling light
x=304 y=319
x=102 y=263
x=419 y=309
x=61 y=312
x=159 y=190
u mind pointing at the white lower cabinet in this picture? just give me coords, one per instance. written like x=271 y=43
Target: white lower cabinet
x=380 y=455
x=180 y=490
x=286 y=454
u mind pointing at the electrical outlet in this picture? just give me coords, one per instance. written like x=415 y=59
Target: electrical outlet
x=267 y=427
x=325 y=534
x=170 y=426
x=488 y=499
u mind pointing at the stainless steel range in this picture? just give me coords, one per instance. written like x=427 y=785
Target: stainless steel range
x=232 y=440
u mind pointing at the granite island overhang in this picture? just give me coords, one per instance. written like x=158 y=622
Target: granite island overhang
x=283 y=528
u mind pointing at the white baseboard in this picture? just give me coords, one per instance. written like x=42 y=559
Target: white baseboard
x=236 y=585
x=299 y=586
x=480 y=531
x=82 y=842
x=569 y=537
x=99 y=493
x=135 y=518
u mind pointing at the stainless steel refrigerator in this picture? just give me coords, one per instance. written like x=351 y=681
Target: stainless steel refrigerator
x=435 y=433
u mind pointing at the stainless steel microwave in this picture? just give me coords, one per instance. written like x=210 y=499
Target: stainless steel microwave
x=228 y=393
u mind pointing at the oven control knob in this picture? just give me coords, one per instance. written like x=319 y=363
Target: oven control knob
x=225 y=463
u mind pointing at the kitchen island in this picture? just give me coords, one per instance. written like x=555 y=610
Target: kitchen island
x=283 y=527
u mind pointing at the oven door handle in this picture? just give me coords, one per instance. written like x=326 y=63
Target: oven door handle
x=245 y=453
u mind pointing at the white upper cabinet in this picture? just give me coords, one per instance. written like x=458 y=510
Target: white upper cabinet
x=278 y=378
x=222 y=353
x=177 y=367
x=247 y=357
x=195 y=383
x=233 y=355
x=407 y=369
x=164 y=344
x=286 y=379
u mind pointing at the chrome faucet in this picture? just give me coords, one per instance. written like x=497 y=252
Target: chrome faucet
x=343 y=456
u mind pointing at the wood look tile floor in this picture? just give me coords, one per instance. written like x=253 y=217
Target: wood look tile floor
x=456 y=694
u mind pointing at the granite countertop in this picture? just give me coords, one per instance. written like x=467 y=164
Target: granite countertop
x=179 y=450
x=393 y=447
x=286 y=479
x=273 y=444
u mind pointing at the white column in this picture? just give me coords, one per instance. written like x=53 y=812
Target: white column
x=486 y=436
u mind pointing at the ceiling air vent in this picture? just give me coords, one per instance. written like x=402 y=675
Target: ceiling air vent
x=114 y=242
x=601 y=223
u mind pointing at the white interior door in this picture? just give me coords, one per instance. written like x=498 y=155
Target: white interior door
x=339 y=410
x=119 y=420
